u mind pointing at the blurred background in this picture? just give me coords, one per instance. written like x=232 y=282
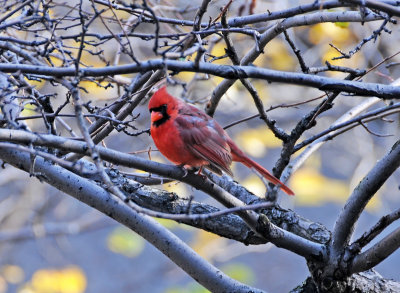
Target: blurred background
x=50 y=242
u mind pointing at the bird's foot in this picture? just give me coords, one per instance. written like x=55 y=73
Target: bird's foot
x=193 y=171
x=185 y=171
x=199 y=173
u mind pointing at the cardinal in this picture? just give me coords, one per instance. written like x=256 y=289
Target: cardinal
x=190 y=138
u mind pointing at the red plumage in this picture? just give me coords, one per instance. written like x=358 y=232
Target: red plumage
x=189 y=137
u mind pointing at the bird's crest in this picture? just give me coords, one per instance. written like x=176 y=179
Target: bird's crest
x=162 y=97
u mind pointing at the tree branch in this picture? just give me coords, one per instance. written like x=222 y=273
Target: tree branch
x=275 y=30
x=369 y=281
x=229 y=72
x=96 y=197
x=292 y=242
x=382 y=224
x=379 y=5
x=377 y=253
x=364 y=191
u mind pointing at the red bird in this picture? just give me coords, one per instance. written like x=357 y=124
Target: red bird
x=189 y=137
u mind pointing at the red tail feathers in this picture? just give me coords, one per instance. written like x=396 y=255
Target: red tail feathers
x=239 y=156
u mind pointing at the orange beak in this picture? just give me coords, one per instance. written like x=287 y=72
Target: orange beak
x=155 y=116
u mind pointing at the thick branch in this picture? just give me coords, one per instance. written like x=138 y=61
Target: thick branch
x=369 y=281
x=286 y=219
x=287 y=240
x=379 y=5
x=229 y=72
x=377 y=253
x=96 y=197
x=359 y=198
x=229 y=226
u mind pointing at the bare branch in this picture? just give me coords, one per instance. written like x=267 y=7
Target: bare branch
x=95 y=196
x=379 y=5
x=70 y=47
x=231 y=51
x=375 y=113
x=377 y=253
x=229 y=72
x=280 y=237
x=383 y=223
x=275 y=30
x=359 y=198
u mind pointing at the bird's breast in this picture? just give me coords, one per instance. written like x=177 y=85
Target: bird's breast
x=168 y=141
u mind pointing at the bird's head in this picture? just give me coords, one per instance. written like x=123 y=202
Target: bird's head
x=162 y=106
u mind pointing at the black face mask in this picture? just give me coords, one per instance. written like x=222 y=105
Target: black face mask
x=163 y=110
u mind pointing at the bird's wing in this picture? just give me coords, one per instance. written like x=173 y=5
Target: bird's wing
x=205 y=138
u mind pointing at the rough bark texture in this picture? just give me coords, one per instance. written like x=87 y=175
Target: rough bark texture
x=365 y=282
x=229 y=226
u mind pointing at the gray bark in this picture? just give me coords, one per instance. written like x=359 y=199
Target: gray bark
x=98 y=198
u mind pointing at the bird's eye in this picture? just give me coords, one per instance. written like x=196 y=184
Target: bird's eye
x=162 y=109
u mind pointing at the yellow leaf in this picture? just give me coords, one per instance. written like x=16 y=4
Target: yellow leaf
x=219 y=51
x=314 y=189
x=125 y=242
x=13 y=274
x=38 y=84
x=240 y=272
x=68 y=280
x=185 y=76
x=252 y=145
x=169 y=224
x=55 y=60
x=277 y=56
x=88 y=59
x=329 y=32
x=120 y=14
x=98 y=91
x=268 y=137
x=29 y=110
x=342 y=24
x=254 y=184
x=46 y=281
x=72 y=280
x=356 y=61
x=206 y=242
x=256 y=141
x=314 y=161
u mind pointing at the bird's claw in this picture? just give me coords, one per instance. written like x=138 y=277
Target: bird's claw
x=185 y=171
x=199 y=173
x=204 y=177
